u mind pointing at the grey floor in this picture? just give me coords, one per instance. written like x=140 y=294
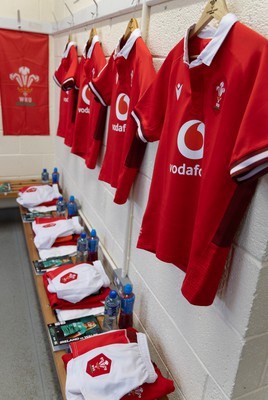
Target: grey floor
x=27 y=370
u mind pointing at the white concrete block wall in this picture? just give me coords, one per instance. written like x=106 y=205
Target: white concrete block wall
x=212 y=353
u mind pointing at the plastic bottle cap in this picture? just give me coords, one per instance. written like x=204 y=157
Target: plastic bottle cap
x=60 y=198
x=113 y=294
x=44 y=170
x=71 y=198
x=83 y=235
x=128 y=288
x=55 y=169
x=93 y=232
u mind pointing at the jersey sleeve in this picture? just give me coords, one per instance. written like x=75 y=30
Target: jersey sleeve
x=143 y=77
x=99 y=114
x=59 y=74
x=71 y=72
x=250 y=153
x=99 y=119
x=149 y=113
x=103 y=84
x=66 y=74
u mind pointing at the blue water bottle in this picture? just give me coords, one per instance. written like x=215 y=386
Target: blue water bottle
x=111 y=311
x=82 y=248
x=93 y=246
x=61 y=207
x=127 y=304
x=72 y=207
x=55 y=176
x=45 y=176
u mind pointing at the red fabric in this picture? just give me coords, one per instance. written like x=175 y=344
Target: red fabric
x=24 y=83
x=120 y=84
x=87 y=302
x=48 y=203
x=64 y=239
x=70 y=242
x=90 y=115
x=118 y=336
x=40 y=220
x=151 y=391
x=54 y=273
x=65 y=77
x=205 y=117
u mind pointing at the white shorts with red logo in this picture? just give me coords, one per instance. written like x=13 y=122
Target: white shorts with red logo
x=109 y=372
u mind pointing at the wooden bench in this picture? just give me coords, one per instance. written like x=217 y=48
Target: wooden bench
x=16 y=185
x=48 y=314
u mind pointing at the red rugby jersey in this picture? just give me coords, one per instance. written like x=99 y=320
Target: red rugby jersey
x=90 y=115
x=65 y=78
x=122 y=81
x=210 y=116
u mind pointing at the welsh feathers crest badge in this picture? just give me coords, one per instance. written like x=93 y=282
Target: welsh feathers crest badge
x=220 y=90
x=70 y=276
x=99 y=365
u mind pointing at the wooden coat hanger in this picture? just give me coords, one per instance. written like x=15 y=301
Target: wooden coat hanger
x=132 y=25
x=93 y=33
x=214 y=9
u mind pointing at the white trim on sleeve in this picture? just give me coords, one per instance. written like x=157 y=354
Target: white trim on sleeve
x=136 y=118
x=97 y=94
x=247 y=163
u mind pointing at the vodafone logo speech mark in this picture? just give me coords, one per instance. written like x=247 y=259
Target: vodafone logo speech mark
x=85 y=97
x=121 y=110
x=191 y=139
x=86 y=94
x=190 y=142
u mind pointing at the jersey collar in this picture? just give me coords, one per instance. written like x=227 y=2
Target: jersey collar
x=67 y=49
x=124 y=52
x=218 y=35
x=88 y=54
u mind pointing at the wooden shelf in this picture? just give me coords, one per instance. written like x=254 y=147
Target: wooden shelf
x=16 y=185
x=47 y=312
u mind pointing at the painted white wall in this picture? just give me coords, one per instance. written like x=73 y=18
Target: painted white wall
x=212 y=353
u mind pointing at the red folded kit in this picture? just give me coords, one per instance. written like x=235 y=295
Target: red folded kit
x=91 y=301
x=46 y=203
x=40 y=220
x=66 y=241
x=148 y=391
x=70 y=240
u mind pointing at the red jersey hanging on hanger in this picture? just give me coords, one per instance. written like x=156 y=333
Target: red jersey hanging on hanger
x=119 y=85
x=90 y=115
x=210 y=115
x=65 y=77
x=24 y=82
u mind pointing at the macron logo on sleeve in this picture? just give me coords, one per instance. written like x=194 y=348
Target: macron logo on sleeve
x=178 y=90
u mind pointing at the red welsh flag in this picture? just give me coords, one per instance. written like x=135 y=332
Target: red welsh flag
x=24 y=82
